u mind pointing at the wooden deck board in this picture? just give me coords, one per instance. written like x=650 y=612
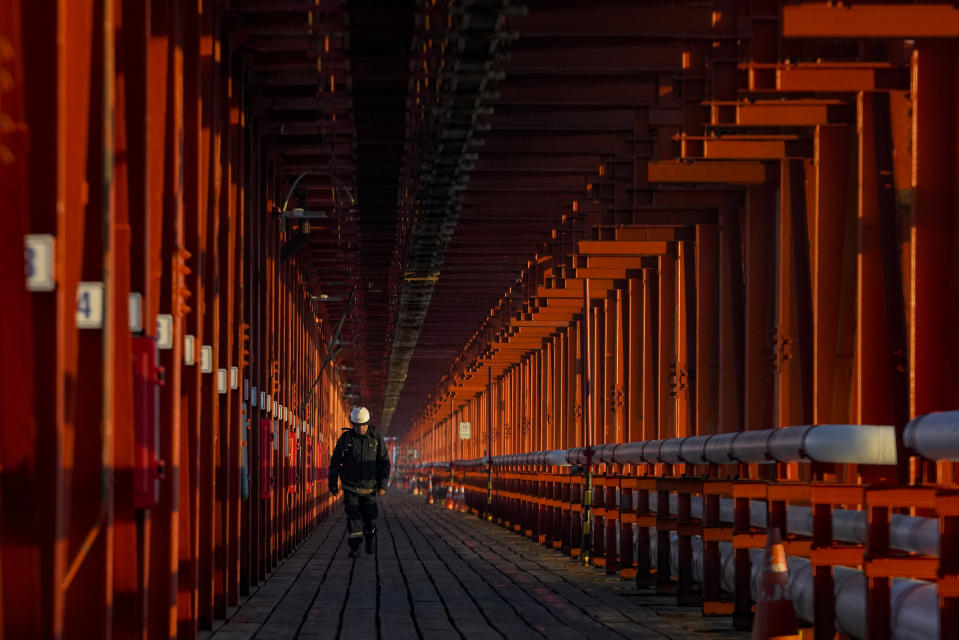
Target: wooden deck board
x=438 y=574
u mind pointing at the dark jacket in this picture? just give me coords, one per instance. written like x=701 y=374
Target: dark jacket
x=362 y=463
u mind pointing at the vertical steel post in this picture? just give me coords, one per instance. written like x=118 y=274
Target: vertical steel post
x=452 y=439
x=587 y=426
x=489 y=444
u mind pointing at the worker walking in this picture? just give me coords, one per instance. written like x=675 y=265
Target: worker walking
x=361 y=463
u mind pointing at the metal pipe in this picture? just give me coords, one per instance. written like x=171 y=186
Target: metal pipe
x=915 y=604
x=934 y=435
x=906 y=533
x=838 y=443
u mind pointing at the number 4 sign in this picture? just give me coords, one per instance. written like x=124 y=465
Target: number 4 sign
x=89 y=305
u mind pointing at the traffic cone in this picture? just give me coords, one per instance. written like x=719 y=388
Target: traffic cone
x=448 y=503
x=416 y=486
x=429 y=491
x=775 y=617
x=462 y=500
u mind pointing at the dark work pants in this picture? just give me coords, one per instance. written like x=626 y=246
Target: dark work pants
x=360 y=515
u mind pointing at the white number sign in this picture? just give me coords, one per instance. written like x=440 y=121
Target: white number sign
x=135 y=312
x=464 y=431
x=89 y=305
x=38 y=254
x=164 y=331
x=189 y=350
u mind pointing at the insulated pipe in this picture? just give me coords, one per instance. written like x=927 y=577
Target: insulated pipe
x=669 y=450
x=752 y=446
x=693 y=449
x=838 y=443
x=475 y=462
x=556 y=458
x=605 y=453
x=906 y=533
x=630 y=452
x=718 y=448
x=934 y=435
x=914 y=603
x=847 y=443
x=651 y=451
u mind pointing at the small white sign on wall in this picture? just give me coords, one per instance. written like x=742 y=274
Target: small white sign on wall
x=135 y=312
x=89 y=313
x=38 y=254
x=206 y=359
x=189 y=350
x=464 y=431
x=164 y=331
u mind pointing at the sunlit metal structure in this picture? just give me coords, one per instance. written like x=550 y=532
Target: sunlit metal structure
x=646 y=278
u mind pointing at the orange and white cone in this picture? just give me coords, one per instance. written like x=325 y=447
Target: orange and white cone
x=429 y=491
x=448 y=503
x=775 y=617
x=416 y=486
x=462 y=500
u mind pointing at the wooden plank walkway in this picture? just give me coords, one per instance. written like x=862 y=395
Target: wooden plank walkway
x=443 y=575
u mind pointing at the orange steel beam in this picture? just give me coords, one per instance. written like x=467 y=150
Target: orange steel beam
x=622 y=248
x=137 y=167
x=132 y=155
x=886 y=21
x=29 y=602
x=724 y=171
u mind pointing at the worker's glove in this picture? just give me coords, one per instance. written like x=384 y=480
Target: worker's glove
x=379 y=490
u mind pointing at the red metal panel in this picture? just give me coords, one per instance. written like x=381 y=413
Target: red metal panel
x=871 y=21
x=932 y=241
x=25 y=544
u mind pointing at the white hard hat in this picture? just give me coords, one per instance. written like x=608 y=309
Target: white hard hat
x=359 y=415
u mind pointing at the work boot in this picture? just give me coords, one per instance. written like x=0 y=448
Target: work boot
x=354 y=547
x=370 y=539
